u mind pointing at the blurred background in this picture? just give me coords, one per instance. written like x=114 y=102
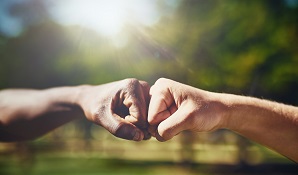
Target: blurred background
x=243 y=47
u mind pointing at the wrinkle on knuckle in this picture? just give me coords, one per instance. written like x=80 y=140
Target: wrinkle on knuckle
x=131 y=89
x=144 y=84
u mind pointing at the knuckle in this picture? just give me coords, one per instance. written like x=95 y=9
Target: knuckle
x=159 y=92
x=144 y=83
x=131 y=82
x=160 y=87
x=161 y=81
x=131 y=86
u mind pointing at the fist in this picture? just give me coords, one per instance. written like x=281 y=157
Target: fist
x=120 y=107
x=175 y=107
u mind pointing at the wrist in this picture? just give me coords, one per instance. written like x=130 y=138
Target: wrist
x=218 y=109
x=66 y=96
x=223 y=109
x=236 y=107
x=79 y=94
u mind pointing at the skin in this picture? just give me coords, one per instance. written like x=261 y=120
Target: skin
x=120 y=107
x=176 y=107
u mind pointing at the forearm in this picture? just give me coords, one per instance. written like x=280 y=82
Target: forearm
x=26 y=114
x=269 y=123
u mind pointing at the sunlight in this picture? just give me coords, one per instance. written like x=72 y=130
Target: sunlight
x=106 y=17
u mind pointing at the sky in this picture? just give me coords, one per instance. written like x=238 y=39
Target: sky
x=106 y=17
x=9 y=25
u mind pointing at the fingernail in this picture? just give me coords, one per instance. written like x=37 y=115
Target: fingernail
x=137 y=136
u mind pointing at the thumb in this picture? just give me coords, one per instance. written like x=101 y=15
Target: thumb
x=173 y=125
x=121 y=128
x=129 y=131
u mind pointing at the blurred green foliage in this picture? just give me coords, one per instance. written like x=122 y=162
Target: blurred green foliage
x=245 y=47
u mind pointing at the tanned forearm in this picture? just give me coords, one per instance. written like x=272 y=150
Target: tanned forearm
x=27 y=114
x=269 y=123
x=120 y=107
x=175 y=107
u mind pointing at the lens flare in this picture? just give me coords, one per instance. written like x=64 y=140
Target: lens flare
x=106 y=17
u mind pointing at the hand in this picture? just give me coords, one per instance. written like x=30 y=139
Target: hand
x=120 y=107
x=175 y=107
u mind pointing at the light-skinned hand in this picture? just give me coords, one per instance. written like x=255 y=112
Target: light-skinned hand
x=175 y=107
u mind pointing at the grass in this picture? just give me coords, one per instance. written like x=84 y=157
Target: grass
x=113 y=156
x=59 y=164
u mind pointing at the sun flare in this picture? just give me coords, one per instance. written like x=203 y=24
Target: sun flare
x=106 y=17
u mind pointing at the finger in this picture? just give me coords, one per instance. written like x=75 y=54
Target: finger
x=133 y=120
x=160 y=103
x=152 y=129
x=135 y=101
x=122 y=128
x=147 y=135
x=136 y=114
x=159 y=117
x=146 y=89
x=146 y=95
x=129 y=131
x=173 y=125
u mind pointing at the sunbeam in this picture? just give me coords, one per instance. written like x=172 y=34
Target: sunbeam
x=106 y=17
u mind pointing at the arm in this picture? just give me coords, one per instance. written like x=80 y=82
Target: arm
x=120 y=107
x=27 y=114
x=175 y=107
x=272 y=124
